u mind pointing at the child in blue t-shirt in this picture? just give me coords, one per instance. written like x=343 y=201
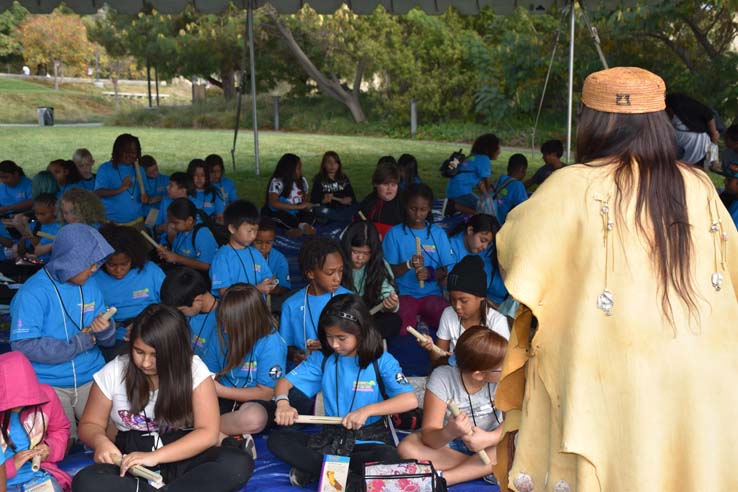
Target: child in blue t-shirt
x=248 y=361
x=420 y=255
x=225 y=185
x=57 y=317
x=321 y=262
x=207 y=197
x=277 y=262
x=84 y=161
x=66 y=175
x=15 y=189
x=473 y=172
x=44 y=209
x=128 y=280
x=155 y=184
x=510 y=189
x=180 y=186
x=191 y=242
x=238 y=261
x=187 y=290
x=116 y=183
x=360 y=383
x=408 y=167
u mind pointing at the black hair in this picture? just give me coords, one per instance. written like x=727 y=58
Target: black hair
x=408 y=164
x=48 y=199
x=147 y=161
x=553 y=147
x=285 y=172
x=314 y=252
x=417 y=190
x=214 y=160
x=182 y=209
x=732 y=132
x=348 y=313
x=181 y=286
x=516 y=164
x=196 y=164
x=487 y=144
x=73 y=175
x=11 y=167
x=267 y=224
x=387 y=159
x=240 y=212
x=183 y=180
x=123 y=140
x=126 y=240
x=340 y=176
x=385 y=171
x=478 y=223
x=364 y=234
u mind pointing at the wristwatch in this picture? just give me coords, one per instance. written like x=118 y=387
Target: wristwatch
x=279 y=398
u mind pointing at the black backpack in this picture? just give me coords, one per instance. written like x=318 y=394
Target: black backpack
x=220 y=232
x=450 y=166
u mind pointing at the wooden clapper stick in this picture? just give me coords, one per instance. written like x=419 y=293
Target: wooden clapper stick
x=424 y=339
x=419 y=251
x=140 y=471
x=318 y=419
x=139 y=178
x=455 y=412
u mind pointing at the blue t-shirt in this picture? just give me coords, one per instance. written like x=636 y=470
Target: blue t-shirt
x=18 y=435
x=203 y=333
x=231 y=266
x=399 y=246
x=205 y=244
x=37 y=311
x=154 y=187
x=263 y=365
x=496 y=290
x=5 y=234
x=132 y=293
x=343 y=381
x=210 y=203
x=18 y=193
x=165 y=202
x=67 y=187
x=52 y=228
x=475 y=168
x=126 y=205
x=88 y=184
x=733 y=210
x=280 y=268
x=512 y=195
x=227 y=189
x=298 y=324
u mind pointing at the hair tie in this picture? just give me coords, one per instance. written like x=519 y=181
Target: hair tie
x=348 y=316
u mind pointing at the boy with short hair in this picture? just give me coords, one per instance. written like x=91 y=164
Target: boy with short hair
x=180 y=186
x=238 y=261
x=154 y=182
x=187 y=290
x=511 y=189
x=277 y=262
x=551 y=150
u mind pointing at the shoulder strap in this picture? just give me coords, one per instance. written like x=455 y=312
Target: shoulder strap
x=502 y=187
x=380 y=382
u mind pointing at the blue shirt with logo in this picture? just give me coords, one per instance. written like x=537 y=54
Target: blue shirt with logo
x=204 y=246
x=210 y=202
x=126 y=205
x=496 y=290
x=300 y=315
x=475 y=168
x=203 y=333
x=263 y=364
x=227 y=189
x=10 y=195
x=231 y=266
x=280 y=268
x=154 y=187
x=512 y=195
x=18 y=435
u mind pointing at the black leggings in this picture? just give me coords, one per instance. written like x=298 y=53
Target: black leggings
x=387 y=324
x=292 y=448
x=213 y=470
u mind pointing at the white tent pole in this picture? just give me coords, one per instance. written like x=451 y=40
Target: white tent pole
x=250 y=18
x=571 y=81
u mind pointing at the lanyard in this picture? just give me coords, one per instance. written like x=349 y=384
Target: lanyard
x=235 y=380
x=356 y=387
x=429 y=234
x=130 y=193
x=471 y=407
x=64 y=307
x=243 y=266
x=202 y=325
x=305 y=311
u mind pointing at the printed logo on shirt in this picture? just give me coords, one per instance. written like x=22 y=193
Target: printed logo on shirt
x=141 y=294
x=198 y=342
x=429 y=248
x=365 y=386
x=137 y=421
x=89 y=307
x=275 y=372
x=249 y=366
x=401 y=379
x=257 y=268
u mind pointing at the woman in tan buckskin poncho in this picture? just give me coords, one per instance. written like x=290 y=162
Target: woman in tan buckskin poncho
x=626 y=266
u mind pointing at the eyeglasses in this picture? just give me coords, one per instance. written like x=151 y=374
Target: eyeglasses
x=360 y=253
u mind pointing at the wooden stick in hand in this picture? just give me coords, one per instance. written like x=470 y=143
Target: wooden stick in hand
x=36 y=463
x=419 y=251
x=139 y=178
x=150 y=240
x=45 y=235
x=318 y=419
x=423 y=338
x=376 y=308
x=455 y=412
x=110 y=313
x=140 y=471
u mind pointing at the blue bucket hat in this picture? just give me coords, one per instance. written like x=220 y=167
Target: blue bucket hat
x=76 y=248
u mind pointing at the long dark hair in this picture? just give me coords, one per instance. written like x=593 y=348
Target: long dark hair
x=648 y=140
x=285 y=172
x=364 y=234
x=193 y=166
x=5 y=426
x=164 y=329
x=122 y=141
x=73 y=175
x=349 y=313
x=244 y=318
x=340 y=176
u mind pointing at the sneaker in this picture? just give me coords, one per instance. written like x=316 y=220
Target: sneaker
x=244 y=442
x=490 y=479
x=299 y=478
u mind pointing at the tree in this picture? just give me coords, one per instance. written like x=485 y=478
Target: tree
x=10 y=47
x=57 y=39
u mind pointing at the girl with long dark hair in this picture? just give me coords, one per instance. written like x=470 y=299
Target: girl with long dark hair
x=286 y=197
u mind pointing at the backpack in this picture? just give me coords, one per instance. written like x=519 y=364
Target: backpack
x=450 y=167
x=220 y=232
x=487 y=203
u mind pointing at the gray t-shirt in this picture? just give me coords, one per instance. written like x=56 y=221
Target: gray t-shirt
x=445 y=383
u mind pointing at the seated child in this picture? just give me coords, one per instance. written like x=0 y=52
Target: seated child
x=180 y=186
x=277 y=262
x=451 y=442
x=116 y=183
x=729 y=196
x=79 y=206
x=207 y=197
x=333 y=191
x=551 y=150
x=44 y=206
x=730 y=156
x=370 y=276
x=360 y=383
x=33 y=424
x=15 y=189
x=467 y=286
x=57 y=317
x=161 y=399
x=66 y=175
x=382 y=206
x=238 y=261
x=155 y=183
x=248 y=360
x=286 y=197
x=473 y=172
x=510 y=191
x=410 y=268
x=128 y=280
x=187 y=290
x=191 y=241
x=407 y=164
x=224 y=184
x=83 y=160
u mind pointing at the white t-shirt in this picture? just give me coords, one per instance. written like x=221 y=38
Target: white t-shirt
x=110 y=380
x=450 y=327
x=296 y=196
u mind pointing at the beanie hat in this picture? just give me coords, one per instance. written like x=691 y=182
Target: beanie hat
x=76 y=248
x=630 y=90
x=468 y=276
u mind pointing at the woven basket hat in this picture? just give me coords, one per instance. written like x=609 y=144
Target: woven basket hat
x=624 y=90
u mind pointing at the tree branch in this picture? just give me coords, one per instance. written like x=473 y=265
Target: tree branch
x=671 y=45
x=701 y=37
x=214 y=81
x=359 y=75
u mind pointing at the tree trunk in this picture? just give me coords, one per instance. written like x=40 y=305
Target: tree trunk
x=56 y=72
x=114 y=78
x=228 y=79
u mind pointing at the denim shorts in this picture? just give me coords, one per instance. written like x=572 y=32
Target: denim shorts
x=458 y=445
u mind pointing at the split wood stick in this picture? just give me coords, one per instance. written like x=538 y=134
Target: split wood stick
x=150 y=239
x=455 y=412
x=36 y=463
x=419 y=251
x=318 y=419
x=137 y=167
x=361 y=215
x=376 y=309
x=424 y=338
x=269 y=302
x=140 y=471
x=45 y=235
x=110 y=312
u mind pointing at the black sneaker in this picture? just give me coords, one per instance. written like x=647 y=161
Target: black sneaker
x=243 y=442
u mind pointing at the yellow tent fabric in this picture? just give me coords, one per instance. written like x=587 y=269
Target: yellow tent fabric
x=626 y=401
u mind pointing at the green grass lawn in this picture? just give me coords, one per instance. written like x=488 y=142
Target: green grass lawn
x=33 y=147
